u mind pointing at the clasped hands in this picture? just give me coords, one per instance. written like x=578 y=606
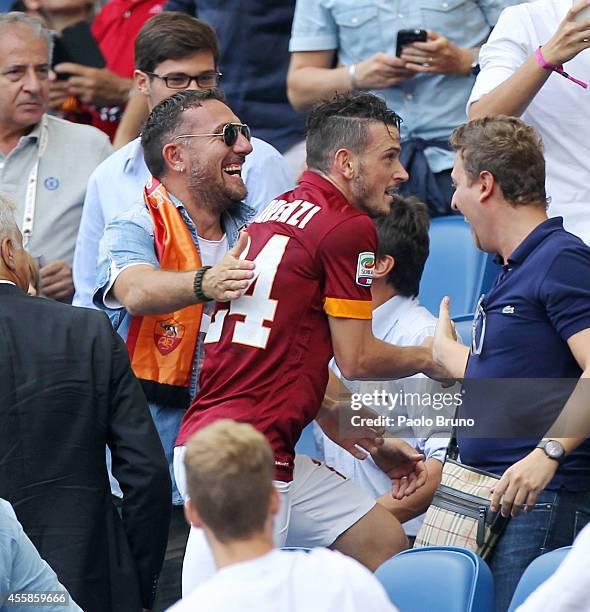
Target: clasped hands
x=394 y=456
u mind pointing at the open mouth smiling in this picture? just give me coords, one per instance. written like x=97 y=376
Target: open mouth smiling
x=233 y=169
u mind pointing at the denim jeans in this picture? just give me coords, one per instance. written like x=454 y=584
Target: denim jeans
x=555 y=521
x=167 y=421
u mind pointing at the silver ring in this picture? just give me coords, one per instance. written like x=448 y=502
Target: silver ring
x=426 y=65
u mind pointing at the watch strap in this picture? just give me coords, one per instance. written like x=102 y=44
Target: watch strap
x=475 y=68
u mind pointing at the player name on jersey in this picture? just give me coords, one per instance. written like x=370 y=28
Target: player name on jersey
x=297 y=213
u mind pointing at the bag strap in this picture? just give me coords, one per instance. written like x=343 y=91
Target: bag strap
x=453 y=447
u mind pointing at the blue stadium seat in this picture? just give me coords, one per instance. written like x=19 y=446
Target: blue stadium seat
x=455 y=267
x=306 y=444
x=536 y=573
x=438 y=579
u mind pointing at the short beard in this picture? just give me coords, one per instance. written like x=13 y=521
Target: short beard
x=210 y=194
x=359 y=191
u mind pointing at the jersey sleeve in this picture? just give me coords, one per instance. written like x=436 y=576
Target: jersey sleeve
x=347 y=257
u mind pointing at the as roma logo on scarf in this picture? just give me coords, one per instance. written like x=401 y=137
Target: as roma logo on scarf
x=168 y=335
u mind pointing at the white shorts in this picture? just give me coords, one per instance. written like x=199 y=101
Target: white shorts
x=316 y=507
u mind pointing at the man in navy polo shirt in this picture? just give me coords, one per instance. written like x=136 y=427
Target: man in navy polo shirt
x=533 y=324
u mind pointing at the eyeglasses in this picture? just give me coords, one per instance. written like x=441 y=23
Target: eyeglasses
x=230 y=133
x=480 y=314
x=207 y=80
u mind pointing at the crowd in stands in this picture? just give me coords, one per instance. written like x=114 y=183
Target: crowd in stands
x=214 y=220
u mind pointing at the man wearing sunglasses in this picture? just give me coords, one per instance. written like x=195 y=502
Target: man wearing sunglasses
x=173 y=52
x=530 y=347
x=160 y=263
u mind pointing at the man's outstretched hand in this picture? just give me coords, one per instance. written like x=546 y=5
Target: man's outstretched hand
x=446 y=350
x=403 y=464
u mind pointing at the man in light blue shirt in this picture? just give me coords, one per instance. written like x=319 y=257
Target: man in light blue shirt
x=428 y=85
x=24 y=576
x=173 y=51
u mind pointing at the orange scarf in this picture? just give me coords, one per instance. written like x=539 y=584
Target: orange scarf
x=162 y=347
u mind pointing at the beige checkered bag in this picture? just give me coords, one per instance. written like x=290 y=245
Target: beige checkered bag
x=460 y=511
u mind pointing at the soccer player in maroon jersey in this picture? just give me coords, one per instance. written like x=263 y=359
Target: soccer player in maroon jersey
x=267 y=352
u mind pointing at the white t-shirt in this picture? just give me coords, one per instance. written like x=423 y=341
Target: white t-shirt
x=401 y=321
x=559 y=112
x=568 y=589
x=212 y=251
x=321 y=580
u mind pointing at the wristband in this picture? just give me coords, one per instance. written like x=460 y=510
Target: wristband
x=556 y=68
x=542 y=62
x=352 y=75
x=198 y=285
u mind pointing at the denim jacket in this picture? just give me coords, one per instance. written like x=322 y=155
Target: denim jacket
x=129 y=240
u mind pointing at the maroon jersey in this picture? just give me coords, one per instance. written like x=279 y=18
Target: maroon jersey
x=267 y=353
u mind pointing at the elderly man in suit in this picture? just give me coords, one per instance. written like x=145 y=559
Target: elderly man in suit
x=66 y=390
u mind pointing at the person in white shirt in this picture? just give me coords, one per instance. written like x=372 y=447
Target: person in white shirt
x=568 y=589
x=229 y=468
x=398 y=319
x=519 y=76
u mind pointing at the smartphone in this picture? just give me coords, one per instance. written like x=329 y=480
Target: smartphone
x=405 y=37
x=77 y=45
x=583 y=15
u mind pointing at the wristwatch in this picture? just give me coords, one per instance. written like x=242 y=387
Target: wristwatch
x=553 y=449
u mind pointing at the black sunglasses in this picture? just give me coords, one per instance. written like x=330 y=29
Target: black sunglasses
x=230 y=133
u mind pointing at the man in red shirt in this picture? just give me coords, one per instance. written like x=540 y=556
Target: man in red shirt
x=267 y=352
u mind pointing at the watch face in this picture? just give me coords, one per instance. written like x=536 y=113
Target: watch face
x=554 y=449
